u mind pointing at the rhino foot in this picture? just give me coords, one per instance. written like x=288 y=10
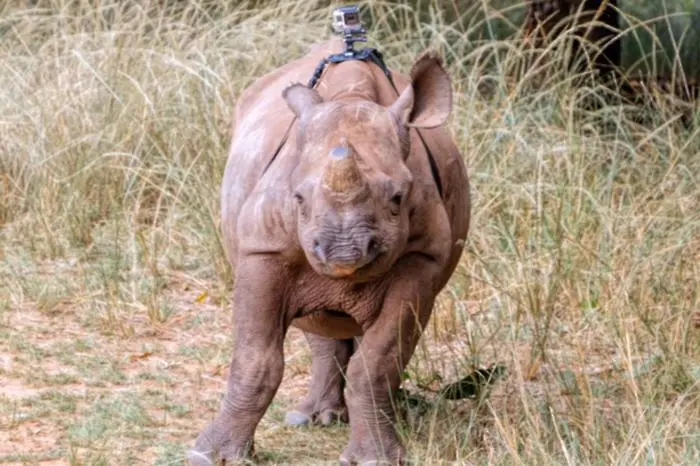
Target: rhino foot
x=356 y=454
x=351 y=461
x=325 y=417
x=199 y=458
x=214 y=447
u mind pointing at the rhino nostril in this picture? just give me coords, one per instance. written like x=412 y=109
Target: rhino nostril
x=372 y=246
x=318 y=250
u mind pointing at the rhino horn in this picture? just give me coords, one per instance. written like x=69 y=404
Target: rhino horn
x=342 y=174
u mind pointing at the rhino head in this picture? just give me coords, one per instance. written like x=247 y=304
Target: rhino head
x=352 y=185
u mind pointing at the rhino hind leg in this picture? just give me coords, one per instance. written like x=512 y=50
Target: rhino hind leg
x=325 y=402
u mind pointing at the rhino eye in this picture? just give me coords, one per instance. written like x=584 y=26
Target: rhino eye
x=396 y=201
x=299 y=198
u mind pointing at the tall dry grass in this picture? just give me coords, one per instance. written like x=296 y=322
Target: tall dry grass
x=581 y=273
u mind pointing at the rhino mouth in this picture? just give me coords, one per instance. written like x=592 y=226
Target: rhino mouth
x=346 y=257
x=340 y=270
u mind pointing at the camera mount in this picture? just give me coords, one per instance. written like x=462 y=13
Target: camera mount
x=346 y=21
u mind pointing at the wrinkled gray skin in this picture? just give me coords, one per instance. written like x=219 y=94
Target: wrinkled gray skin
x=344 y=236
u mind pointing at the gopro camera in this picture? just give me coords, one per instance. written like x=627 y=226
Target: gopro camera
x=346 y=20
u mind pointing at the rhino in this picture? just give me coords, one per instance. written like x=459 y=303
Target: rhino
x=348 y=234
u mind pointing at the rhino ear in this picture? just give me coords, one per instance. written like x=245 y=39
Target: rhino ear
x=300 y=98
x=427 y=101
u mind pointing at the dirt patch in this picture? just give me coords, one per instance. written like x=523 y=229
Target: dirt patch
x=164 y=381
x=30 y=438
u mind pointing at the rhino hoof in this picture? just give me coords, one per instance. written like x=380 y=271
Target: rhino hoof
x=324 y=418
x=329 y=417
x=296 y=418
x=196 y=458
x=346 y=462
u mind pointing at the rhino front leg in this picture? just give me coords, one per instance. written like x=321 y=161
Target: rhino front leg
x=374 y=371
x=325 y=402
x=257 y=364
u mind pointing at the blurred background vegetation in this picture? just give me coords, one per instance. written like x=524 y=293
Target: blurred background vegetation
x=657 y=35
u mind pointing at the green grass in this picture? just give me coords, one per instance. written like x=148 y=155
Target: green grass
x=580 y=274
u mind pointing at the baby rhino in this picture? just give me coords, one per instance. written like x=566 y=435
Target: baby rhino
x=349 y=232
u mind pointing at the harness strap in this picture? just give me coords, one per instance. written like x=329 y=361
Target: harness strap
x=375 y=57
